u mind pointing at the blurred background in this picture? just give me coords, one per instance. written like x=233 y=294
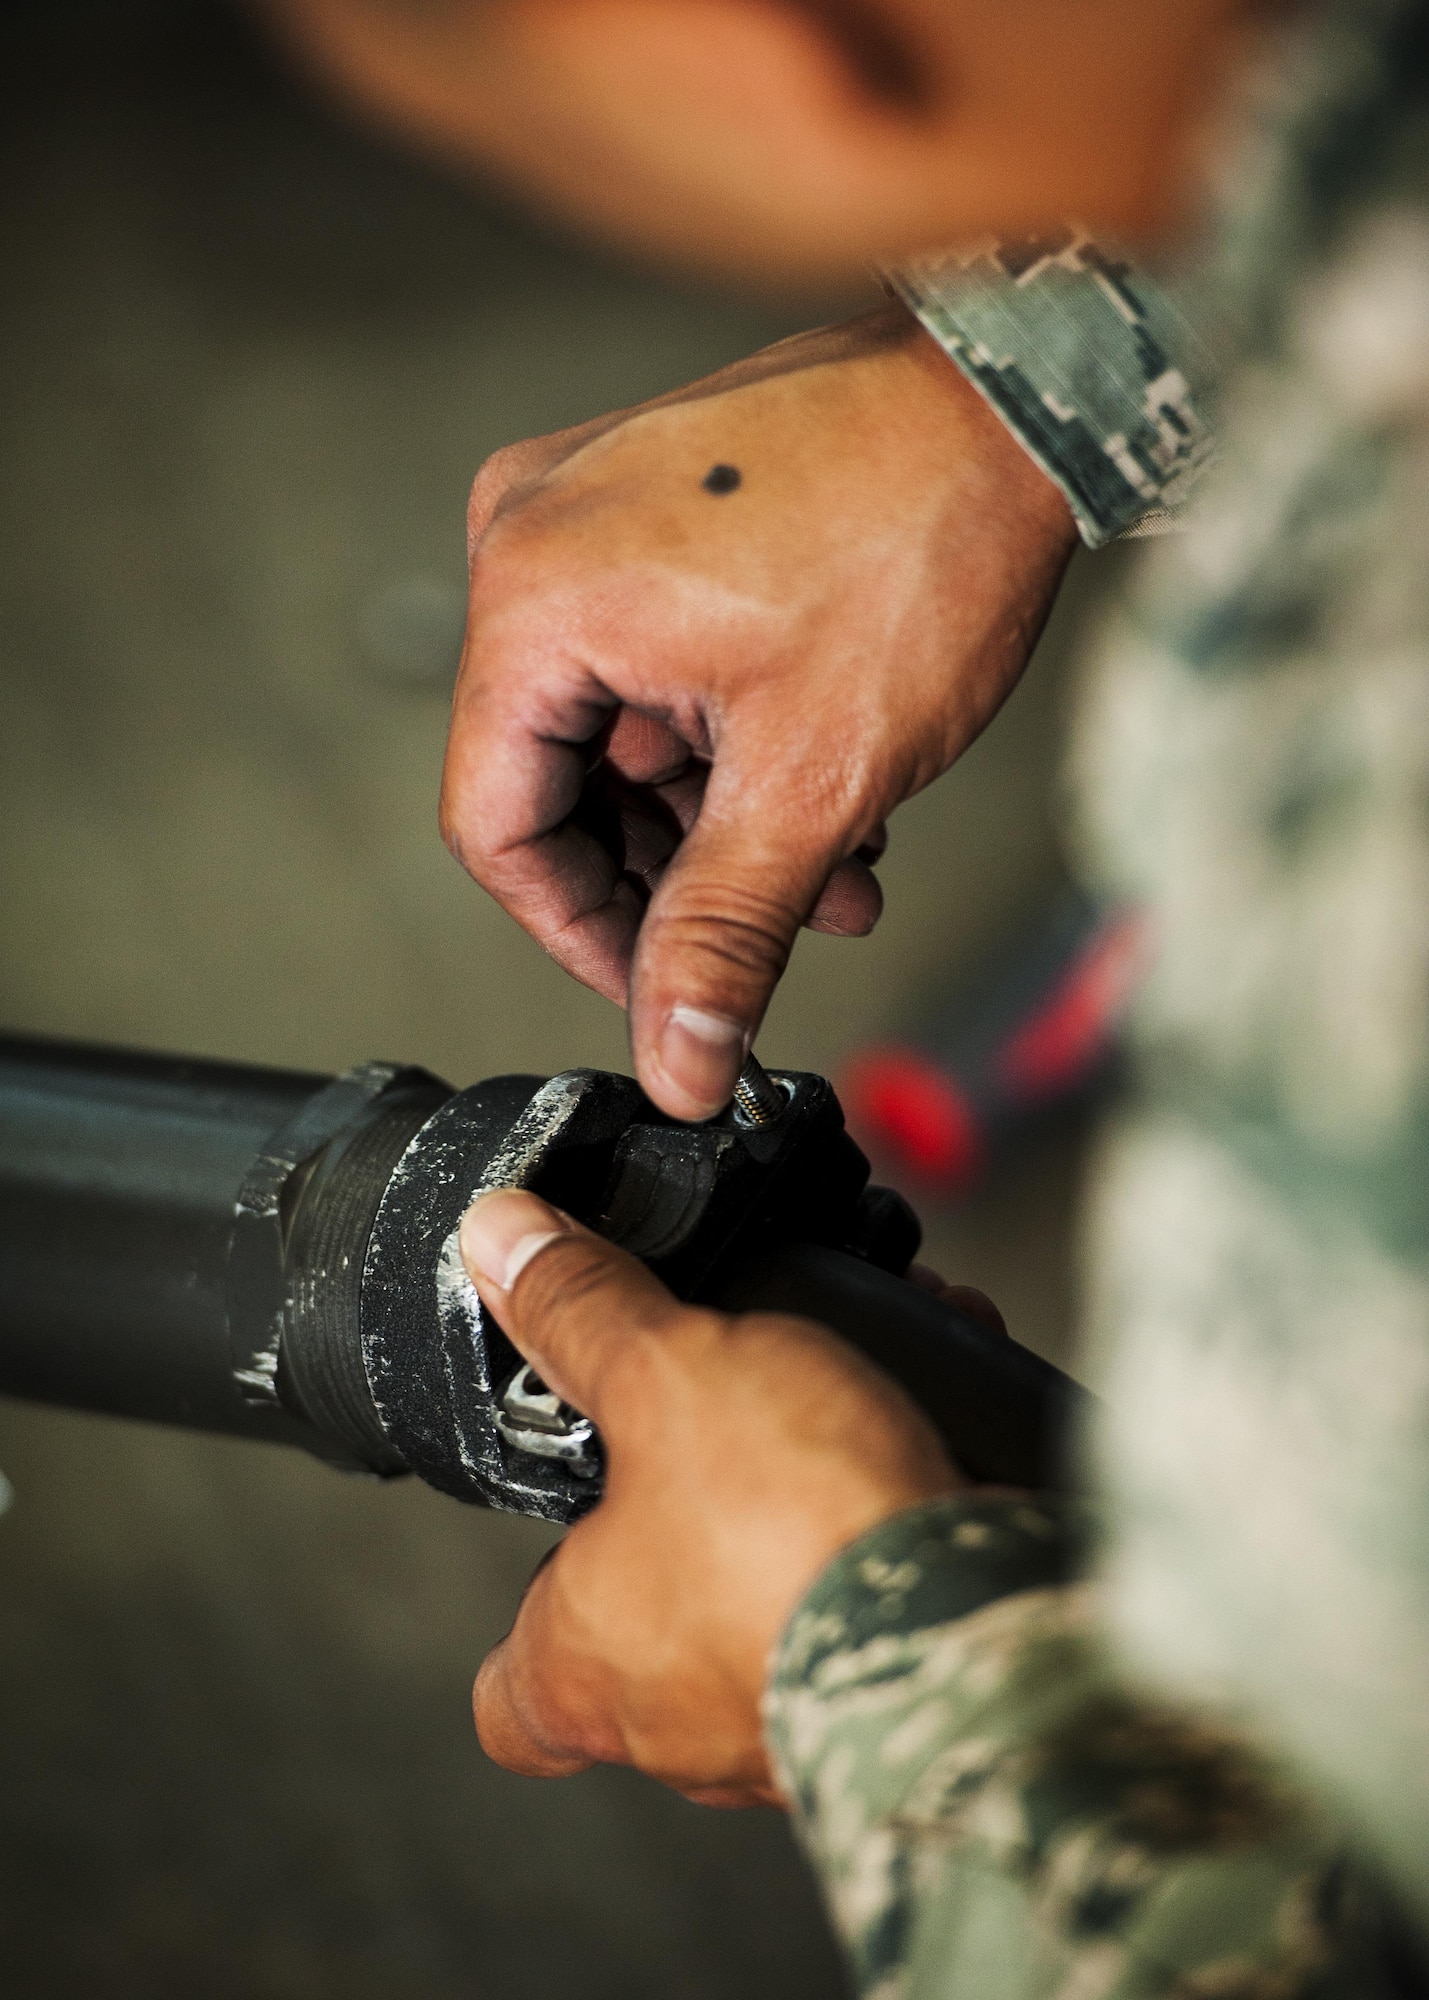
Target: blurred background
x=250 y=358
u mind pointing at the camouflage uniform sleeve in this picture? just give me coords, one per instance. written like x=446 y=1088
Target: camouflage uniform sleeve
x=1092 y=363
x=994 y=1817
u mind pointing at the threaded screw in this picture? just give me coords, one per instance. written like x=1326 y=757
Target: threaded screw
x=758 y=1100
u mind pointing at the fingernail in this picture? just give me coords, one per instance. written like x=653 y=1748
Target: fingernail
x=501 y=1232
x=700 y=1054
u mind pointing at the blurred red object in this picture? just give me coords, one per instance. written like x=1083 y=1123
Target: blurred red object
x=1037 y=1031
x=904 y=1104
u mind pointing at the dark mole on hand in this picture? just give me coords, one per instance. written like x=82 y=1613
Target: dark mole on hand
x=721 y=479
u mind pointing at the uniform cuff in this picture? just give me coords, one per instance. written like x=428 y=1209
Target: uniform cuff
x=939 y=1561
x=1089 y=361
x=874 y=1606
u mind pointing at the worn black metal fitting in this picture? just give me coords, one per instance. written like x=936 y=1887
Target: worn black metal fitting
x=276 y=1255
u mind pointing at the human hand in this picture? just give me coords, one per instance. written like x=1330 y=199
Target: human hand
x=742 y=1453
x=687 y=704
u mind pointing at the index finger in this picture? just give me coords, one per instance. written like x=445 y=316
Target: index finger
x=573 y=1304
x=516 y=762
x=521 y=1721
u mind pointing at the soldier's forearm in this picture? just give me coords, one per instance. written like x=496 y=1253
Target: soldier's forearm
x=994 y=1815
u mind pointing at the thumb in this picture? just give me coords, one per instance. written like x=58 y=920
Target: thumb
x=573 y=1304
x=712 y=947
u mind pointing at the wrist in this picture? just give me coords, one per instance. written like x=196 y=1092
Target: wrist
x=978 y=433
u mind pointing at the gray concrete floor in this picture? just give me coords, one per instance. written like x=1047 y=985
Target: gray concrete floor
x=250 y=362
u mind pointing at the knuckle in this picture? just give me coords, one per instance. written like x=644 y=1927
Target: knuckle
x=498 y=509
x=494 y=476
x=503 y=565
x=507 y=491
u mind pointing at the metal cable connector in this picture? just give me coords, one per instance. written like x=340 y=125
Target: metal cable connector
x=758 y=1100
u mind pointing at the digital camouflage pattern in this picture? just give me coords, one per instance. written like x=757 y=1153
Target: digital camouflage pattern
x=994 y=1816
x=993 y=1812
x=1090 y=361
